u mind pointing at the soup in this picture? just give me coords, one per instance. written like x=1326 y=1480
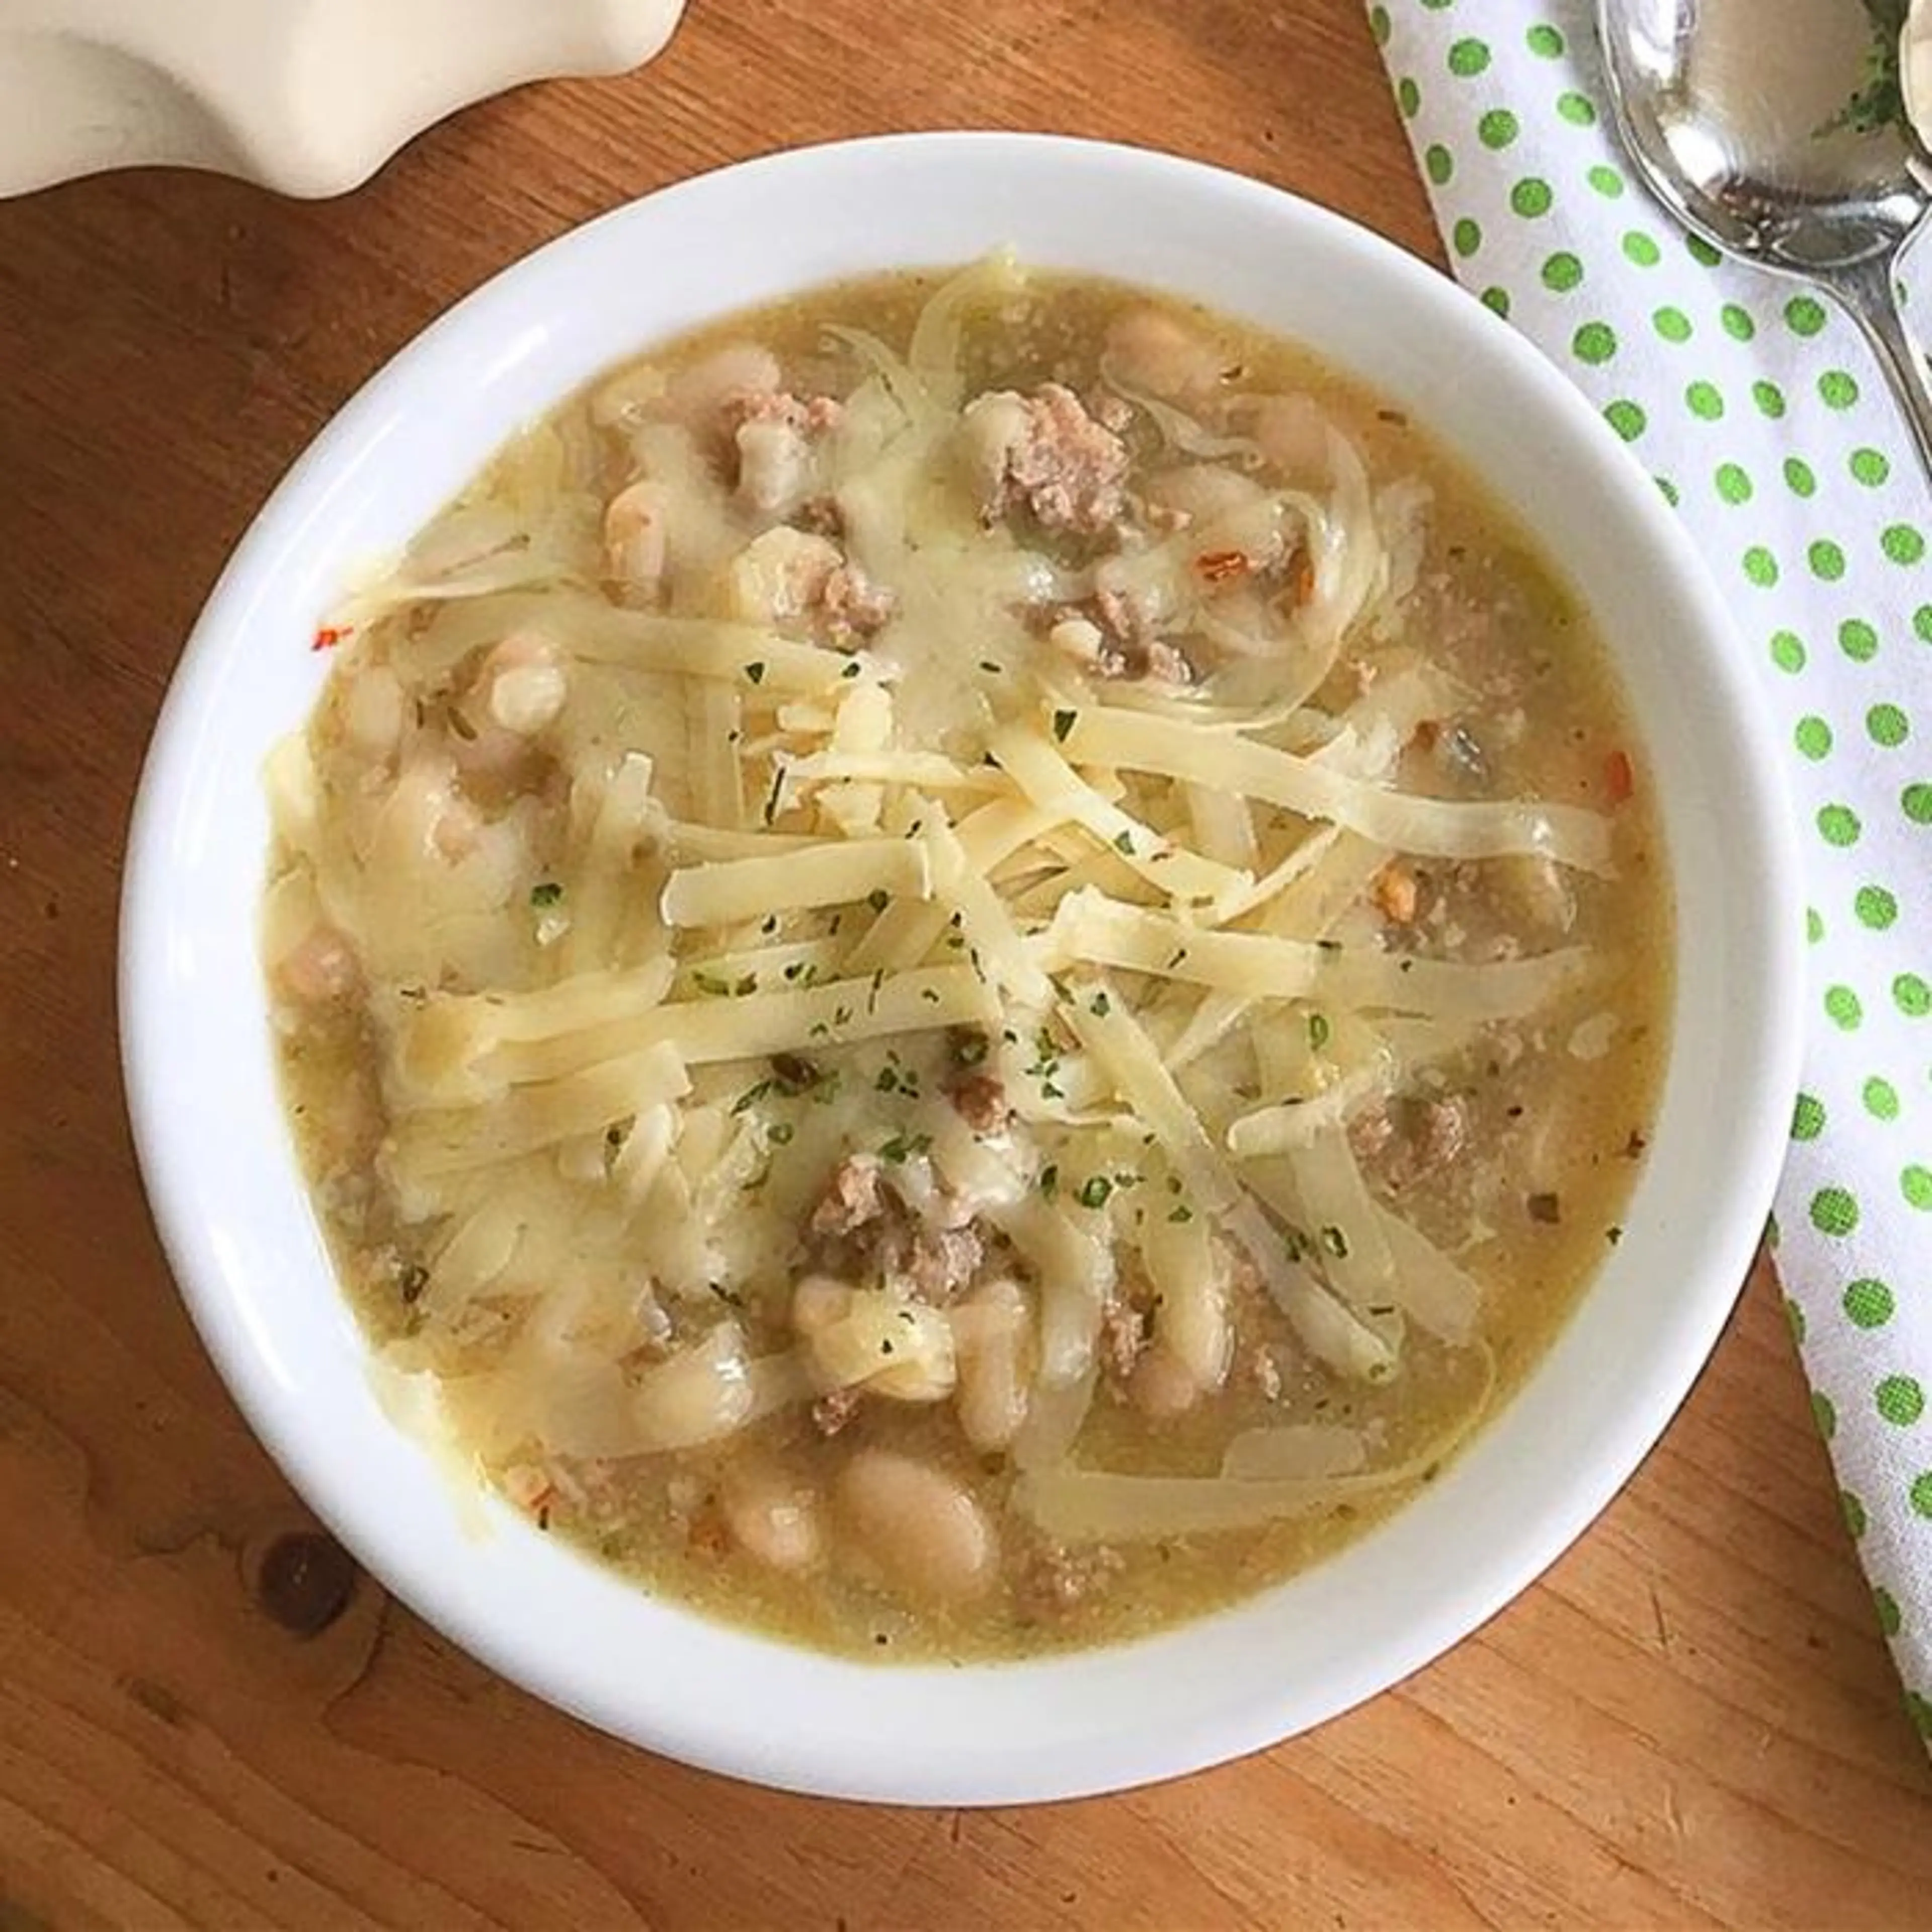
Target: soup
x=968 y=963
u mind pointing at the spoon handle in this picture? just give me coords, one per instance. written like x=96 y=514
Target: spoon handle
x=1870 y=293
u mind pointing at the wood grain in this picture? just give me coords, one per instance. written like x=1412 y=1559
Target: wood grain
x=1691 y=1722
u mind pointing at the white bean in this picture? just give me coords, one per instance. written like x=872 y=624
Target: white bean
x=695 y=394
x=774 y=466
x=319 y=968
x=772 y=1516
x=1293 y=433
x=992 y=427
x=780 y=574
x=635 y=533
x=1161 y=1388
x=458 y=828
x=1153 y=352
x=524 y=683
x=992 y=1332
x=916 y=1527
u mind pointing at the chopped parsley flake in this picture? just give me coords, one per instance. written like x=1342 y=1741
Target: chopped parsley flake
x=1049 y=1180
x=1319 y=1031
x=1062 y=723
x=755 y=672
x=1094 y=1191
x=547 y=894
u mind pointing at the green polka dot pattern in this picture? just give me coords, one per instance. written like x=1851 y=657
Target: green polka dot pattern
x=1875 y=907
x=1804 y=314
x=1901 y=1401
x=1732 y=483
x=1759 y=412
x=1595 y=343
x=1627 y=418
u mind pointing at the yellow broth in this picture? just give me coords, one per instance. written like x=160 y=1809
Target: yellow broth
x=1548 y=1110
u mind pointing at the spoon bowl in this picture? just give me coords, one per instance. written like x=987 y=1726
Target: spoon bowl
x=1739 y=125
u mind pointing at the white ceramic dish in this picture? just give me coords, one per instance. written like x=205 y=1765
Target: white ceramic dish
x=309 y=96
x=230 y=1205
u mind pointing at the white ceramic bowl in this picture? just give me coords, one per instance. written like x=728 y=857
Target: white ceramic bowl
x=230 y=1205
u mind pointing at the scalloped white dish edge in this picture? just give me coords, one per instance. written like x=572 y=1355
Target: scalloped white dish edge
x=307 y=97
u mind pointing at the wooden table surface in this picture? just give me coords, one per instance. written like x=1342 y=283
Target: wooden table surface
x=208 y=1719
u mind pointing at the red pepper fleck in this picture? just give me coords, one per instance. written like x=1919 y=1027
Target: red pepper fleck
x=1618 y=780
x=1218 y=565
x=330 y=635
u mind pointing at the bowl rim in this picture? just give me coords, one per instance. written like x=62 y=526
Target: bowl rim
x=922 y=1775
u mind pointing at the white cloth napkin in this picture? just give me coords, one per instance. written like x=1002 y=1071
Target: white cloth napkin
x=1765 y=422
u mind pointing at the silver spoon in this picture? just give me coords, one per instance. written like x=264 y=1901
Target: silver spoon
x=1728 y=109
